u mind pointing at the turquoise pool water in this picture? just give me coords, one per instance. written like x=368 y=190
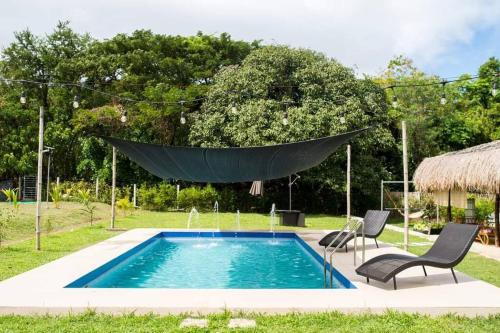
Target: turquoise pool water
x=206 y=262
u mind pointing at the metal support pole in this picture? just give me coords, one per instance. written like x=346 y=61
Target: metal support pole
x=48 y=178
x=381 y=195
x=290 y=192
x=113 y=186
x=348 y=182
x=405 y=180
x=38 y=214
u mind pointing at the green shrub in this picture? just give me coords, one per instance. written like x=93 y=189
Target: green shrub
x=124 y=205
x=11 y=196
x=159 y=197
x=201 y=198
x=84 y=197
x=484 y=208
x=56 y=194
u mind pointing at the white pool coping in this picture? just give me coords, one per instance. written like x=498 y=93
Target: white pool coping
x=41 y=290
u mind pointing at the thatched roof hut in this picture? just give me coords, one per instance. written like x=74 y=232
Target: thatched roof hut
x=475 y=169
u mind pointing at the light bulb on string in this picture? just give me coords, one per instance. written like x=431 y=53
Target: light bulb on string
x=285 y=118
x=394 y=101
x=23 y=99
x=123 y=118
x=494 y=90
x=443 y=95
x=183 y=118
x=342 y=119
x=76 y=102
x=443 y=99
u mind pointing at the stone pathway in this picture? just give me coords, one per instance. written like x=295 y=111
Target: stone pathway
x=203 y=323
x=194 y=322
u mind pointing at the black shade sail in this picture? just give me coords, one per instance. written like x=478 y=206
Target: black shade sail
x=231 y=165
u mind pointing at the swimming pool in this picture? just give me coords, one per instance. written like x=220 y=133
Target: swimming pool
x=215 y=260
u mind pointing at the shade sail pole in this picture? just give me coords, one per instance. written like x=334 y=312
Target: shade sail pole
x=405 y=183
x=348 y=182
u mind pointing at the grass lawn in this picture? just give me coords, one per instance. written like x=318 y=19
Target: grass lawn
x=70 y=214
x=75 y=234
x=322 y=322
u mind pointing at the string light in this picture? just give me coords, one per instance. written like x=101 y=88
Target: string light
x=23 y=98
x=123 y=118
x=82 y=83
x=234 y=110
x=342 y=120
x=443 y=95
x=183 y=118
x=285 y=118
x=76 y=102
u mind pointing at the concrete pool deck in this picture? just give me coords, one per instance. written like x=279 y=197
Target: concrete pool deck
x=41 y=290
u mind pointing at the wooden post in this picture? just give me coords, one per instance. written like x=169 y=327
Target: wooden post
x=57 y=181
x=448 y=210
x=97 y=188
x=20 y=189
x=405 y=187
x=113 y=185
x=348 y=182
x=135 y=196
x=497 y=224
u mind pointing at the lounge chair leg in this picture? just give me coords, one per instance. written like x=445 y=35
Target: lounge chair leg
x=345 y=248
x=394 y=280
x=424 y=270
x=324 y=263
x=376 y=242
x=367 y=280
x=454 y=276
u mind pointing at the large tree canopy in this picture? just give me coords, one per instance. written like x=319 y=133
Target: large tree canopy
x=140 y=66
x=246 y=104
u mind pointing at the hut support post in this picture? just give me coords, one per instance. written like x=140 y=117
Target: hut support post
x=497 y=223
x=405 y=186
x=448 y=211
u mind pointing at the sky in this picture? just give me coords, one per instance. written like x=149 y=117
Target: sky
x=443 y=37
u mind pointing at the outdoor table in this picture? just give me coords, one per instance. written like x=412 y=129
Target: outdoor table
x=292 y=218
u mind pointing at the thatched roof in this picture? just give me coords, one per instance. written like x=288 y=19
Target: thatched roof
x=475 y=169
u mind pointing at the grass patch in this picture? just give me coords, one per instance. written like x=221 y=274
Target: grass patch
x=320 y=322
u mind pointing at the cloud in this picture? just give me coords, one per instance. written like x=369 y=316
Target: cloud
x=364 y=34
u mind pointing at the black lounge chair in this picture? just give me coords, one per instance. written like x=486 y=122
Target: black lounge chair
x=374 y=221
x=448 y=250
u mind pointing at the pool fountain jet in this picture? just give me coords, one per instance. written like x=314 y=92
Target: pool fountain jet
x=193 y=213
x=238 y=220
x=272 y=220
x=216 y=211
